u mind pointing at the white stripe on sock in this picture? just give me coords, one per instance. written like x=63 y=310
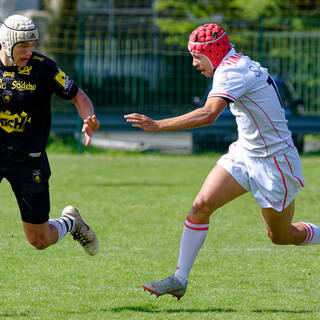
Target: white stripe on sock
x=196 y=226
x=63 y=225
x=68 y=221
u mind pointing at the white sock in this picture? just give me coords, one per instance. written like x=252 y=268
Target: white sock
x=193 y=237
x=63 y=225
x=313 y=234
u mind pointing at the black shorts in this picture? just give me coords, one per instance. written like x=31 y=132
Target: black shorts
x=29 y=180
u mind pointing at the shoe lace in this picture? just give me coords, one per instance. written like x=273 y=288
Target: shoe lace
x=81 y=238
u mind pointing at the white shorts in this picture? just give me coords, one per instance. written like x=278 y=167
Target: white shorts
x=274 y=182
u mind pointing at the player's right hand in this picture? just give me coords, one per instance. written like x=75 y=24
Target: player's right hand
x=143 y=122
x=90 y=124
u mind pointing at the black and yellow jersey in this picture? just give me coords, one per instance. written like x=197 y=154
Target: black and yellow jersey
x=25 y=102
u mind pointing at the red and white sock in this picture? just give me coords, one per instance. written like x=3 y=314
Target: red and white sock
x=313 y=234
x=193 y=237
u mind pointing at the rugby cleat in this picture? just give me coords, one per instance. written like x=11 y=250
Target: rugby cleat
x=81 y=232
x=169 y=285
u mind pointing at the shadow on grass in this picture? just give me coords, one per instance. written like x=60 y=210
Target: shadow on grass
x=11 y=315
x=282 y=311
x=141 y=309
x=146 y=309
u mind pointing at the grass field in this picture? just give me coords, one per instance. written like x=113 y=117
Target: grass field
x=137 y=205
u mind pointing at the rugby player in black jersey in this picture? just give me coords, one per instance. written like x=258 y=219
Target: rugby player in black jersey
x=27 y=82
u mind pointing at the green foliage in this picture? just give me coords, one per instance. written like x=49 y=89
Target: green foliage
x=277 y=14
x=189 y=14
x=137 y=206
x=253 y=9
x=191 y=8
x=166 y=25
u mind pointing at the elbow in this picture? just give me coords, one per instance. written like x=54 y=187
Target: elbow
x=209 y=119
x=208 y=116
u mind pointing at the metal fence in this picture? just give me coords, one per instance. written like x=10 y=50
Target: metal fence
x=294 y=56
x=124 y=63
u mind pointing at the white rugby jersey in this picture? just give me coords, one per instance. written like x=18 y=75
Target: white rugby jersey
x=256 y=104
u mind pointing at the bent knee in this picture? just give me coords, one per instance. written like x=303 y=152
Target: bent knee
x=38 y=243
x=203 y=205
x=279 y=239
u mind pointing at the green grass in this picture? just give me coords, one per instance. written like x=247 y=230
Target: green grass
x=137 y=205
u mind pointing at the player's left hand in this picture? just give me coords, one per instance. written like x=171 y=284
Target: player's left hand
x=90 y=124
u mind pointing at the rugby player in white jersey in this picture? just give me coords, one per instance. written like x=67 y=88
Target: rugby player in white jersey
x=263 y=160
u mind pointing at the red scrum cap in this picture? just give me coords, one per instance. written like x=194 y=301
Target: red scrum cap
x=211 y=41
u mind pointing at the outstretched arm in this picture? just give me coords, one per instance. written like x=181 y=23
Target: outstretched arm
x=86 y=112
x=194 y=119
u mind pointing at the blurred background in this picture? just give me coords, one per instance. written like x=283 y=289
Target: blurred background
x=131 y=56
